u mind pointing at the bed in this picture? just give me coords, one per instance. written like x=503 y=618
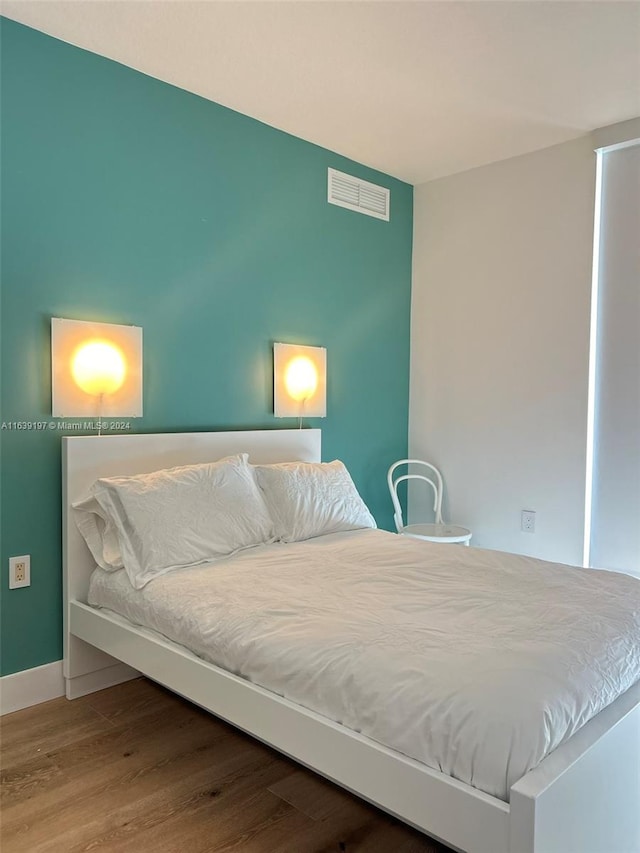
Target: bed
x=584 y=796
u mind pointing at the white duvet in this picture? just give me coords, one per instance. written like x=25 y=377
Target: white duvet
x=477 y=663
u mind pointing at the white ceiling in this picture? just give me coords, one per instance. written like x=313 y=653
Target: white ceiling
x=417 y=89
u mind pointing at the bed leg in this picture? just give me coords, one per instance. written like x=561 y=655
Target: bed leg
x=592 y=804
x=87 y=669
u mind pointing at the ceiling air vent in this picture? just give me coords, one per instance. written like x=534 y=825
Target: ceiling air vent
x=355 y=194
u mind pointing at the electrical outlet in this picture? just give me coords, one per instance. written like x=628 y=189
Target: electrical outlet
x=528 y=521
x=19 y=571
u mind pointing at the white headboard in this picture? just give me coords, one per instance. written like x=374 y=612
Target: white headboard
x=85 y=458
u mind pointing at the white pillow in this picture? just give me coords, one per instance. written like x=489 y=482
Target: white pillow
x=99 y=533
x=307 y=499
x=184 y=516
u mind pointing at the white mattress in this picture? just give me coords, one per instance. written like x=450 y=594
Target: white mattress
x=477 y=663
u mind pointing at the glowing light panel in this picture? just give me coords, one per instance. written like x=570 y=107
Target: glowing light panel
x=299 y=381
x=301 y=378
x=98 y=367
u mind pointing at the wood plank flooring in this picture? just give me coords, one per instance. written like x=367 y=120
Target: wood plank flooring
x=136 y=768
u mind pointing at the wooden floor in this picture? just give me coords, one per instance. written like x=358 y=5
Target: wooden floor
x=136 y=768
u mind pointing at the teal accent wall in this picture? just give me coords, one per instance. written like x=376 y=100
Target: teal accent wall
x=127 y=200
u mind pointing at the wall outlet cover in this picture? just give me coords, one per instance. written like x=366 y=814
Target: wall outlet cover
x=528 y=521
x=19 y=571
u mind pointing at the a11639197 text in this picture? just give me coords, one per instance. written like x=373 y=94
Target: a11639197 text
x=66 y=426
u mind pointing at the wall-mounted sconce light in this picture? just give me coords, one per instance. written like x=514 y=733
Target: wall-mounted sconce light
x=299 y=381
x=96 y=369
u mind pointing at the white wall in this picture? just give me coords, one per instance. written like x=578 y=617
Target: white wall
x=500 y=345
x=615 y=531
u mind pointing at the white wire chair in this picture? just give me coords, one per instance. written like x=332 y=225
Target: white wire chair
x=432 y=532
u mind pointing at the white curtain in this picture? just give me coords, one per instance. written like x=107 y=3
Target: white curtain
x=615 y=516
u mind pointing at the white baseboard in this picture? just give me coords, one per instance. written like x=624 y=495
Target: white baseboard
x=30 y=687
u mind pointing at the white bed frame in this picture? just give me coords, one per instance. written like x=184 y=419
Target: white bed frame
x=583 y=798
